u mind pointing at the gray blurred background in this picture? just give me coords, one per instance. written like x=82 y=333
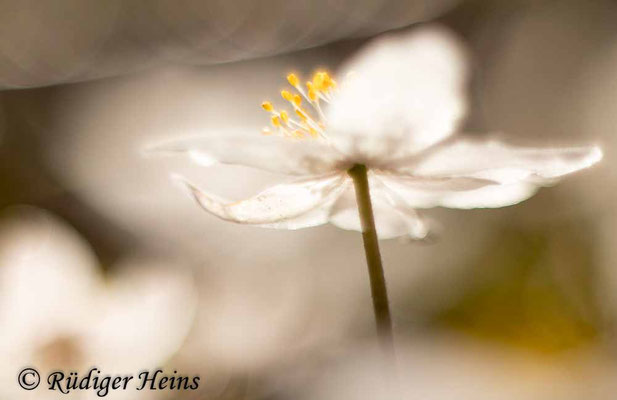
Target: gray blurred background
x=512 y=303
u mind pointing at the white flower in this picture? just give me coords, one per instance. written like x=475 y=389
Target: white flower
x=58 y=314
x=395 y=112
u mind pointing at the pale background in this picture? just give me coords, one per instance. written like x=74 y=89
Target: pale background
x=512 y=303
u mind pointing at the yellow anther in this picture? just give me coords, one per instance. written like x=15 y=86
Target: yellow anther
x=328 y=79
x=323 y=81
x=293 y=80
x=266 y=105
x=312 y=94
x=307 y=126
x=312 y=91
x=319 y=80
x=286 y=95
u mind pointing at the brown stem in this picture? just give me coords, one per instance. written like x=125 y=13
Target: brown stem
x=379 y=291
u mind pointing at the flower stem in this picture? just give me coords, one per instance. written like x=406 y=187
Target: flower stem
x=379 y=291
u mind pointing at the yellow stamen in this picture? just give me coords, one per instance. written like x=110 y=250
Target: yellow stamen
x=318 y=80
x=322 y=81
x=293 y=80
x=312 y=91
x=312 y=94
x=266 y=105
x=308 y=125
x=286 y=95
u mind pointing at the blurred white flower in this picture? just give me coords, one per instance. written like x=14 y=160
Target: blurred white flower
x=395 y=112
x=40 y=47
x=58 y=313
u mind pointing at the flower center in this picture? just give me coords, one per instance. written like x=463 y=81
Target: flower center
x=311 y=122
x=62 y=352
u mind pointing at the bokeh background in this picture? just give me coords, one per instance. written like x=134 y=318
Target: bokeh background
x=104 y=262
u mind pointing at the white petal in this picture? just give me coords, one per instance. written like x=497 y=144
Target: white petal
x=465 y=195
x=270 y=153
x=42 y=255
x=318 y=216
x=504 y=163
x=404 y=93
x=492 y=196
x=434 y=185
x=144 y=317
x=390 y=221
x=276 y=205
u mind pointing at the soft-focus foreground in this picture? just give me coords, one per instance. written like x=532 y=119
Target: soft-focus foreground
x=104 y=263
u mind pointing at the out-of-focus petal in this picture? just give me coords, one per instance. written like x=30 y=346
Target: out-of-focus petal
x=461 y=195
x=270 y=153
x=400 y=95
x=116 y=37
x=504 y=163
x=276 y=205
x=143 y=319
x=47 y=275
x=391 y=220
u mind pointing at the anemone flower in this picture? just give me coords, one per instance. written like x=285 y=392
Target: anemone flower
x=59 y=314
x=376 y=146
